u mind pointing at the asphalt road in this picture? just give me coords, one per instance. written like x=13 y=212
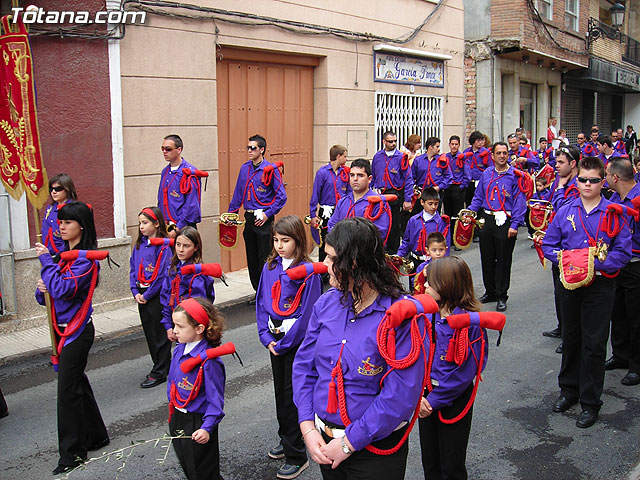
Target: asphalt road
x=514 y=435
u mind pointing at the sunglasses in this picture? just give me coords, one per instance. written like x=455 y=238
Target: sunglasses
x=56 y=189
x=251 y=148
x=166 y=149
x=566 y=151
x=591 y=180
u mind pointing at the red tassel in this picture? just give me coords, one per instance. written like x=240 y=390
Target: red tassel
x=332 y=402
x=451 y=351
x=391 y=343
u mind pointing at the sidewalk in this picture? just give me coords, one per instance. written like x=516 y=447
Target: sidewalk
x=37 y=340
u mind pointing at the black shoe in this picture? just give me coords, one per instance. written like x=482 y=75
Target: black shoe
x=501 y=306
x=486 y=298
x=151 y=382
x=476 y=239
x=288 y=471
x=64 y=468
x=555 y=333
x=563 y=404
x=586 y=419
x=631 y=378
x=614 y=363
x=276 y=452
x=560 y=348
x=99 y=445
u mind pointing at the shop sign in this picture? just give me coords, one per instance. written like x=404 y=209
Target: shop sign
x=392 y=68
x=628 y=79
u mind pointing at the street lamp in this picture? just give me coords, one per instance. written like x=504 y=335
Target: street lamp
x=596 y=29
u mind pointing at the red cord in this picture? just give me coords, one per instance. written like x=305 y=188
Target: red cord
x=275 y=296
x=177 y=401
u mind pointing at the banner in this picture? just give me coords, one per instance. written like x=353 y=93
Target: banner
x=21 y=166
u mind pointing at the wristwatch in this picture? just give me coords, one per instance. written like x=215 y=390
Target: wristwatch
x=345 y=448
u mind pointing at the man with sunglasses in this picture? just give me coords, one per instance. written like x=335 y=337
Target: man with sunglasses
x=262 y=195
x=586 y=293
x=501 y=202
x=625 y=321
x=392 y=175
x=520 y=156
x=586 y=149
x=178 y=199
x=563 y=191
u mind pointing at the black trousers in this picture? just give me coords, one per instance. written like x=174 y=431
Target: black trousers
x=496 y=251
x=198 y=461
x=625 y=319
x=555 y=274
x=80 y=424
x=286 y=411
x=3 y=405
x=444 y=446
x=453 y=203
x=469 y=193
x=395 y=233
x=157 y=341
x=257 y=244
x=364 y=465
x=323 y=234
x=585 y=315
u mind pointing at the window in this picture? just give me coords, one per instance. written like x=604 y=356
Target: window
x=407 y=115
x=571 y=10
x=545 y=8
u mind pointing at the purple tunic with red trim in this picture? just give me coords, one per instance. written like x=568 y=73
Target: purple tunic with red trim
x=191 y=285
x=210 y=399
x=288 y=290
x=635 y=227
x=375 y=412
x=328 y=187
x=68 y=287
x=252 y=194
x=563 y=194
x=459 y=169
x=417 y=225
x=51 y=237
x=431 y=172
x=573 y=228
x=388 y=173
x=450 y=380
x=500 y=191
x=147 y=256
x=533 y=161
x=180 y=208
x=478 y=161
x=347 y=208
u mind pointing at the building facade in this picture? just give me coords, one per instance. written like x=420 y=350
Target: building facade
x=305 y=75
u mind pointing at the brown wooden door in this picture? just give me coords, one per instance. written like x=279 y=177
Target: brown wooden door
x=275 y=101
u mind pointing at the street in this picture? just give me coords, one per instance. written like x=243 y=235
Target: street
x=514 y=434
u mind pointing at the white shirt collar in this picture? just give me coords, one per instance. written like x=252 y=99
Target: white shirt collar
x=426 y=216
x=190 y=346
x=286 y=263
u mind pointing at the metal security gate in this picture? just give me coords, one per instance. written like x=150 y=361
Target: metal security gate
x=407 y=114
x=571 y=120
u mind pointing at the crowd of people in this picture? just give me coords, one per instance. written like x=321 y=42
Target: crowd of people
x=355 y=367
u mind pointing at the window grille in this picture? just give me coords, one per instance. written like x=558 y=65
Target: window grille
x=407 y=114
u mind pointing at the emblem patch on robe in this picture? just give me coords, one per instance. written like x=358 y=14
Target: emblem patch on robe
x=150 y=268
x=185 y=384
x=174 y=194
x=261 y=189
x=368 y=368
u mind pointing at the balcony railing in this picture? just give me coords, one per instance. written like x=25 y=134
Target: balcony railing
x=631 y=51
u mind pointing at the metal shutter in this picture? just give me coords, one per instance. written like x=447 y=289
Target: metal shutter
x=572 y=119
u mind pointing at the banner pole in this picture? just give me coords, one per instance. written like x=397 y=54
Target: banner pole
x=47 y=297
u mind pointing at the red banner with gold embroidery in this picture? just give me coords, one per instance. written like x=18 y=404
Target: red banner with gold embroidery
x=21 y=166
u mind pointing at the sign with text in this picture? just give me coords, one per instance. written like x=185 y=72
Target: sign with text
x=392 y=68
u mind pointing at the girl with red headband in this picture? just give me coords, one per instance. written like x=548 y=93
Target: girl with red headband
x=179 y=286
x=148 y=269
x=196 y=396
x=283 y=308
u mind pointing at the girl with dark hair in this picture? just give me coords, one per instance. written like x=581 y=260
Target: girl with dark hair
x=196 y=395
x=177 y=286
x=62 y=190
x=338 y=369
x=149 y=264
x=444 y=424
x=71 y=285
x=283 y=308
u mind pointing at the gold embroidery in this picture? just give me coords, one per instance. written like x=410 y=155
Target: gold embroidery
x=369 y=369
x=185 y=384
x=571 y=218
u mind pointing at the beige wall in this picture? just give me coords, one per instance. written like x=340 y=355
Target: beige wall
x=169 y=82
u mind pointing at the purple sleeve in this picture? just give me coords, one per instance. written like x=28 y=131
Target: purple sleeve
x=315 y=195
x=551 y=244
x=133 y=272
x=446 y=178
x=467 y=175
x=396 y=401
x=519 y=207
x=456 y=380
x=61 y=285
x=263 y=295
x=161 y=204
x=405 y=246
x=214 y=379
x=619 y=251
x=165 y=295
x=294 y=337
x=335 y=217
x=236 y=200
x=408 y=186
x=202 y=286
x=190 y=212
x=281 y=195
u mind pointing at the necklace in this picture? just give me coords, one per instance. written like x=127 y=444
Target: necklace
x=365 y=302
